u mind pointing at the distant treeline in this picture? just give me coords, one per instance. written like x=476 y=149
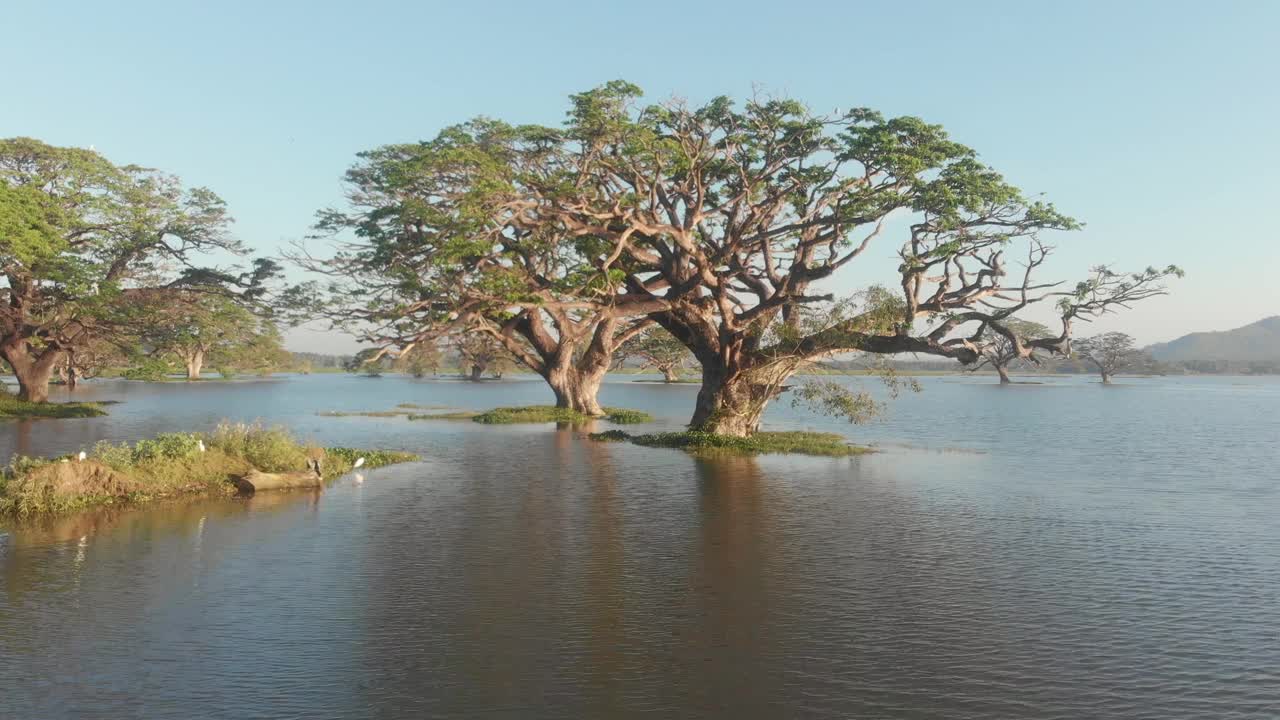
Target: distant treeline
x=1075 y=366
x=320 y=361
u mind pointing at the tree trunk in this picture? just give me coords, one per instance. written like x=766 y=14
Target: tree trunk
x=1106 y=378
x=195 y=361
x=669 y=373
x=73 y=377
x=574 y=389
x=728 y=404
x=477 y=373
x=1004 y=375
x=33 y=372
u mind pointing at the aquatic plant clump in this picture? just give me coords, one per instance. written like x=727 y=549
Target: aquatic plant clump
x=761 y=443
x=12 y=407
x=549 y=413
x=168 y=465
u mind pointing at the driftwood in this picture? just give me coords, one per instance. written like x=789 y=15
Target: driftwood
x=256 y=480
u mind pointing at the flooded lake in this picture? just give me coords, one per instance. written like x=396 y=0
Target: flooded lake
x=1060 y=550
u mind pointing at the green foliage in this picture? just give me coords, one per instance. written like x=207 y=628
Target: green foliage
x=166 y=446
x=268 y=449
x=148 y=369
x=802 y=443
x=831 y=398
x=227 y=373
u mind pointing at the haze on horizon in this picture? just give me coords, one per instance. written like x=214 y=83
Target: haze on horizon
x=1152 y=122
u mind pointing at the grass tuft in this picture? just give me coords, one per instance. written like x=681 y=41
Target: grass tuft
x=801 y=443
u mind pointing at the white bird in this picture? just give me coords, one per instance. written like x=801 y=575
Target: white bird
x=200 y=444
x=359 y=479
x=81 y=457
x=359 y=463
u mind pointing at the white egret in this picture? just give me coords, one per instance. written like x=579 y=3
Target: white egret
x=200 y=444
x=82 y=456
x=359 y=462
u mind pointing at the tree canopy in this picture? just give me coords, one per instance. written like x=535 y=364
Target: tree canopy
x=81 y=239
x=718 y=222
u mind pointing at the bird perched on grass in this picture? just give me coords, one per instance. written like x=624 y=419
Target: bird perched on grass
x=82 y=456
x=200 y=444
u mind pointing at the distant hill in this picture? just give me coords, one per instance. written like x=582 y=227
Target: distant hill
x=1256 y=342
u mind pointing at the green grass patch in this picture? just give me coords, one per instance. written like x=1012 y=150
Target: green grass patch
x=168 y=465
x=454 y=415
x=800 y=443
x=12 y=407
x=550 y=413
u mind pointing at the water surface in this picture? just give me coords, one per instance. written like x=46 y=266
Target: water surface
x=1050 y=551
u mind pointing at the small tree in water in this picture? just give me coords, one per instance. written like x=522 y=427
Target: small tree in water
x=658 y=349
x=1109 y=353
x=1001 y=352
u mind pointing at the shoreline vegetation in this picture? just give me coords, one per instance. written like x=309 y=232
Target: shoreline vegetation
x=169 y=465
x=763 y=442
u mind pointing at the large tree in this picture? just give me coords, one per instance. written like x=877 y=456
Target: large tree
x=199 y=326
x=731 y=218
x=434 y=244
x=721 y=223
x=1109 y=353
x=80 y=237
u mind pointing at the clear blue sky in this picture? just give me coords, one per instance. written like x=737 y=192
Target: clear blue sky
x=1157 y=123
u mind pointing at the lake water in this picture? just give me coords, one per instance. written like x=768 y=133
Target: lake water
x=1061 y=550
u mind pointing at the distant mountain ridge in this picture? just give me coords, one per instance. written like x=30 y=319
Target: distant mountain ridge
x=1255 y=342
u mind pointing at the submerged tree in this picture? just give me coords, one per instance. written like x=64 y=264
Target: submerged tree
x=480 y=353
x=720 y=224
x=198 y=327
x=657 y=349
x=422 y=358
x=1109 y=353
x=435 y=243
x=731 y=218
x=80 y=238
x=1000 y=352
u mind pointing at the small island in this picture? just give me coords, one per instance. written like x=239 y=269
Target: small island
x=171 y=465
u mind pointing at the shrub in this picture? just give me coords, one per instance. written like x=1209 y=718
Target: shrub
x=119 y=457
x=150 y=370
x=166 y=446
x=268 y=449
